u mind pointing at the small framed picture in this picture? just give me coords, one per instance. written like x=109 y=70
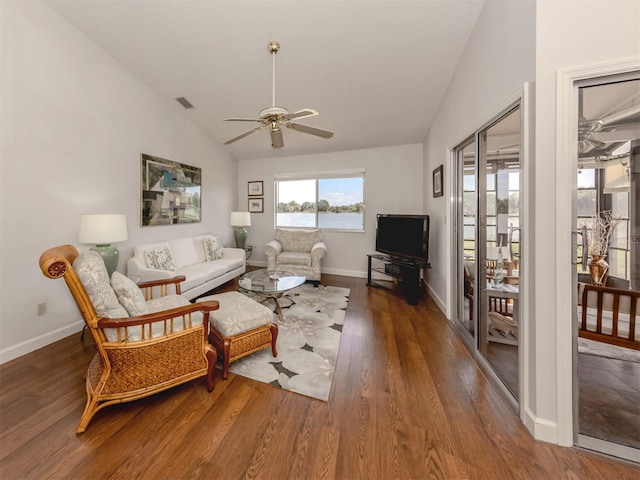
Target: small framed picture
x=255 y=188
x=256 y=205
x=438 y=181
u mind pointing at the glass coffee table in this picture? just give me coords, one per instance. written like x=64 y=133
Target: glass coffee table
x=270 y=285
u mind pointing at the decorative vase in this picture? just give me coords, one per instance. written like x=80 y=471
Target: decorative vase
x=599 y=270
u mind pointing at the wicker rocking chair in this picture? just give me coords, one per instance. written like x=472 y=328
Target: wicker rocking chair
x=139 y=355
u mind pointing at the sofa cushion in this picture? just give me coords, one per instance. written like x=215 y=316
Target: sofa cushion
x=159 y=258
x=129 y=295
x=93 y=275
x=298 y=240
x=199 y=241
x=212 y=248
x=196 y=275
x=229 y=264
x=294 y=258
x=184 y=251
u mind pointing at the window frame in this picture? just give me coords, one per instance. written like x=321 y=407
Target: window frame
x=317 y=177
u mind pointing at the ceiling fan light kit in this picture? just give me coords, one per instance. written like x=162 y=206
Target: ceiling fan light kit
x=275 y=117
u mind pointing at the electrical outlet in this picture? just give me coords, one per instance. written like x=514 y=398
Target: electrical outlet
x=42 y=309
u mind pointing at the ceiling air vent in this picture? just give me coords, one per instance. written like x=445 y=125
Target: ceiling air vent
x=184 y=102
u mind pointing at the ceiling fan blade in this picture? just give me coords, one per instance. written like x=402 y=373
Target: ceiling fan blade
x=242 y=120
x=276 y=138
x=311 y=130
x=621 y=115
x=234 y=139
x=304 y=113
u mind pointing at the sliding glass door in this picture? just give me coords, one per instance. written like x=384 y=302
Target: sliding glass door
x=607 y=225
x=489 y=250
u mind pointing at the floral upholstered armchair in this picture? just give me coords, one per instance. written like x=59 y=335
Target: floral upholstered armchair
x=144 y=345
x=298 y=251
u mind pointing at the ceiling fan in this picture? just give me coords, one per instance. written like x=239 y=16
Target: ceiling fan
x=274 y=117
x=597 y=134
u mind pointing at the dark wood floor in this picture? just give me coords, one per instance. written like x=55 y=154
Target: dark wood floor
x=408 y=401
x=609 y=400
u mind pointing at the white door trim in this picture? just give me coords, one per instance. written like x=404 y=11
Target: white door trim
x=565 y=174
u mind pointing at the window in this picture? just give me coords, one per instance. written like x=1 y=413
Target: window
x=594 y=197
x=328 y=201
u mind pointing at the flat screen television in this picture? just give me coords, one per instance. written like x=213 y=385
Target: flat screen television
x=403 y=236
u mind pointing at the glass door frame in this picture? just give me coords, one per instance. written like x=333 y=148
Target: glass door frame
x=458 y=226
x=524 y=99
x=569 y=81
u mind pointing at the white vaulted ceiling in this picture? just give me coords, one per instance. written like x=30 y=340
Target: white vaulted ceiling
x=375 y=70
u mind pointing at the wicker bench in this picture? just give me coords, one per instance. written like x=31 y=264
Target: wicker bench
x=240 y=327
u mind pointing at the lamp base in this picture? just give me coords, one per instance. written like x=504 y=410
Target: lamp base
x=110 y=256
x=240 y=234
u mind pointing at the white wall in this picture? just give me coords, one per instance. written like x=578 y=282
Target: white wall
x=498 y=59
x=393 y=184
x=74 y=123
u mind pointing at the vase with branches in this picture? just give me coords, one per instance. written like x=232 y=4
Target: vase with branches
x=598 y=239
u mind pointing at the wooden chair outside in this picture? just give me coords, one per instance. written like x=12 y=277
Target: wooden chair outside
x=469 y=290
x=609 y=315
x=127 y=370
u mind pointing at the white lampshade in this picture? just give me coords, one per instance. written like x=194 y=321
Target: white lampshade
x=103 y=228
x=240 y=219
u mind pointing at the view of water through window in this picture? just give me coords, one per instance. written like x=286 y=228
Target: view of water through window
x=331 y=203
x=345 y=221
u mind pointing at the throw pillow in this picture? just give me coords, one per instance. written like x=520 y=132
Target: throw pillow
x=129 y=295
x=89 y=267
x=159 y=258
x=212 y=248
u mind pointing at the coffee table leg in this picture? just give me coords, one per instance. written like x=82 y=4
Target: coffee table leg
x=278 y=309
x=275 y=298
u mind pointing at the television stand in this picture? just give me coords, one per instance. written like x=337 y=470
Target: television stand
x=400 y=275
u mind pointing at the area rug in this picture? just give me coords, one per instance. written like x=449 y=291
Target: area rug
x=308 y=342
x=591 y=347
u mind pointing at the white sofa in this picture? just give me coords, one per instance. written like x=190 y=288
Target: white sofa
x=186 y=256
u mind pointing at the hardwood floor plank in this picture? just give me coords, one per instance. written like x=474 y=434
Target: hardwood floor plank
x=408 y=401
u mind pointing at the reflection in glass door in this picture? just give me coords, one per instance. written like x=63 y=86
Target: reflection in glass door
x=488 y=244
x=466 y=233
x=608 y=187
x=499 y=229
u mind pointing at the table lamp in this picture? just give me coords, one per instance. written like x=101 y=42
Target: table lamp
x=240 y=220
x=104 y=229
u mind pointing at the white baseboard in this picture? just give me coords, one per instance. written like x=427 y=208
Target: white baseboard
x=33 y=344
x=541 y=429
x=344 y=273
x=437 y=299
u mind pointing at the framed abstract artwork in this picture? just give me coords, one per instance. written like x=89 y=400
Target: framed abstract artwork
x=170 y=192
